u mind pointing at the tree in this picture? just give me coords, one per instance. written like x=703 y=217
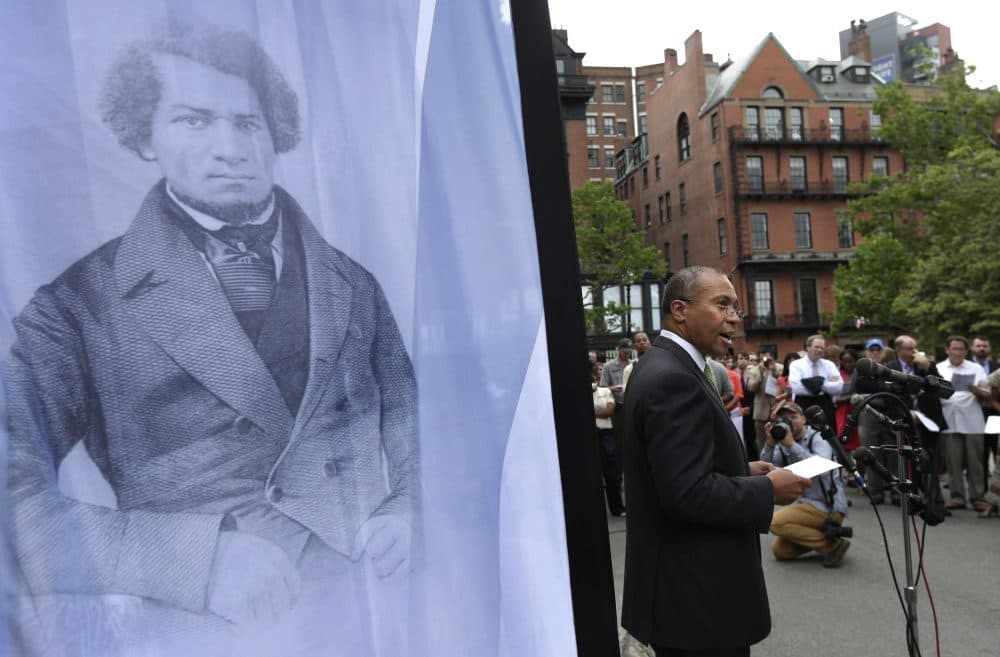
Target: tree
x=611 y=251
x=929 y=262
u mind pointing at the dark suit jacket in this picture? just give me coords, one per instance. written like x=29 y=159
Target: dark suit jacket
x=135 y=351
x=928 y=404
x=693 y=578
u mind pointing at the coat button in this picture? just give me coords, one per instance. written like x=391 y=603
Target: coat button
x=330 y=469
x=242 y=425
x=274 y=494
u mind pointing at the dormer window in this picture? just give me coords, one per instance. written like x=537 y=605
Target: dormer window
x=860 y=73
x=826 y=74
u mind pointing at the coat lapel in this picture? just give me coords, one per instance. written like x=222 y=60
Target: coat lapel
x=166 y=285
x=331 y=297
x=683 y=356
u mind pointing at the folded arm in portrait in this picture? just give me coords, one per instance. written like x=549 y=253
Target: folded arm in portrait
x=135 y=352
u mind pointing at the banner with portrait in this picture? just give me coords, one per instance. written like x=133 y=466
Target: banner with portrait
x=274 y=362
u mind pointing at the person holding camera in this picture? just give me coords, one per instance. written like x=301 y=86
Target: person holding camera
x=814 y=521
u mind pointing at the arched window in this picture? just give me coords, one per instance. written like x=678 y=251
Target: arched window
x=683 y=138
x=772 y=92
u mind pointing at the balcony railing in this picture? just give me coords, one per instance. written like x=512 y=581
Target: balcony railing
x=755 y=187
x=754 y=322
x=740 y=134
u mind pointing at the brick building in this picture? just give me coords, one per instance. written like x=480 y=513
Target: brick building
x=746 y=167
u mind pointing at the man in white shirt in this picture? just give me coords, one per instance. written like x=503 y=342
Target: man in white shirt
x=963 y=447
x=814 y=379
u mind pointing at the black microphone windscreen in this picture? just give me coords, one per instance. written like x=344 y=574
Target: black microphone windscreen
x=815 y=416
x=867 y=368
x=864 y=456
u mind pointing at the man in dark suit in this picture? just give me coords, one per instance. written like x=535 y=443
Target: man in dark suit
x=980 y=354
x=240 y=384
x=693 y=579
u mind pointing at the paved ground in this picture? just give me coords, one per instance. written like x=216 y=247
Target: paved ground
x=853 y=610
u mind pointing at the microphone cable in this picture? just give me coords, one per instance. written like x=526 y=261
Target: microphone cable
x=927 y=586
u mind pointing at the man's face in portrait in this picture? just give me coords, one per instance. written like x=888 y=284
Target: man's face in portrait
x=816 y=349
x=981 y=348
x=906 y=350
x=641 y=342
x=211 y=140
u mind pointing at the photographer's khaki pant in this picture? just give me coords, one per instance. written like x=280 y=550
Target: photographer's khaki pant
x=798 y=528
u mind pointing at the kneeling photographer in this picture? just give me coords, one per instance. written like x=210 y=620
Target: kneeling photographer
x=814 y=521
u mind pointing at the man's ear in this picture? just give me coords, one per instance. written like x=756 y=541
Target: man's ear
x=678 y=310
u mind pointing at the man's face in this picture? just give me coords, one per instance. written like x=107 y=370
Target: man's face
x=875 y=354
x=743 y=361
x=641 y=343
x=956 y=352
x=624 y=353
x=906 y=350
x=797 y=421
x=816 y=349
x=981 y=348
x=211 y=140
x=707 y=325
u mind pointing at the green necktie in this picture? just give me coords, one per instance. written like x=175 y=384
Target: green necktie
x=711 y=377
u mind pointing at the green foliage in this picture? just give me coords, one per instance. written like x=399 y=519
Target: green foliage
x=611 y=250
x=930 y=262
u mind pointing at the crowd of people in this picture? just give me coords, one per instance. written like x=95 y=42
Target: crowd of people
x=760 y=392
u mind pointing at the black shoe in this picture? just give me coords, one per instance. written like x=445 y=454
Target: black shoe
x=836 y=555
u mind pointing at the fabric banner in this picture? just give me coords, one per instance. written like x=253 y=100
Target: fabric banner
x=274 y=368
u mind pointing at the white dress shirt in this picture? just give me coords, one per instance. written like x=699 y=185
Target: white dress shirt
x=695 y=355
x=803 y=368
x=962 y=411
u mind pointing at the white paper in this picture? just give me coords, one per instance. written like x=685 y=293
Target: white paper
x=961 y=382
x=771 y=386
x=993 y=424
x=812 y=466
x=928 y=423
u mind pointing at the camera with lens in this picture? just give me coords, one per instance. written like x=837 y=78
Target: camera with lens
x=779 y=430
x=835 y=531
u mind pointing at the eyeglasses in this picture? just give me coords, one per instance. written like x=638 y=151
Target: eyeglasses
x=728 y=310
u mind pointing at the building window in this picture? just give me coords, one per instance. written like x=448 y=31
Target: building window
x=808 y=301
x=876 y=121
x=593 y=157
x=751 y=123
x=654 y=306
x=880 y=166
x=670 y=207
x=635 y=303
x=772 y=92
x=797 y=171
x=758 y=230
x=663 y=209
x=836 y=124
x=683 y=138
x=609 y=158
x=607 y=93
x=682 y=199
x=774 y=123
x=619 y=93
x=755 y=174
x=666 y=254
x=845 y=231
x=687 y=251
x=631 y=190
x=645 y=177
x=591 y=126
x=613 y=295
x=640 y=92
x=803 y=230
x=795 y=123
x=656 y=166
x=622 y=129
x=609 y=125
x=722 y=235
x=840 y=177
x=763 y=303
x=717 y=177
x=643 y=124
x=647 y=217
x=715 y=126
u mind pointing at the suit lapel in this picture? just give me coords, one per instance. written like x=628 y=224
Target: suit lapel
x=331 y=297
x=166 y=285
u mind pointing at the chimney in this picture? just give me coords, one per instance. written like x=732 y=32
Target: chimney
x=708 y=59
x=562 y=35
x=860 y=44
x=670 y=57
x=694 y=55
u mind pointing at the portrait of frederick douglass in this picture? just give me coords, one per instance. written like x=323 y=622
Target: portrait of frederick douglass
x=240 y=384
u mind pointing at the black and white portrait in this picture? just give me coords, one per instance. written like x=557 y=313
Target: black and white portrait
x=239 y=383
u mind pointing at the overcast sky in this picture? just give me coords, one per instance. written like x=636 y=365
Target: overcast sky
x=635 y=32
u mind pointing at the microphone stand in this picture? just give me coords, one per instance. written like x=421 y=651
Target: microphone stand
x=910 y=591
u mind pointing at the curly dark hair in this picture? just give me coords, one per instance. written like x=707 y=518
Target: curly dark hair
x=132 y=89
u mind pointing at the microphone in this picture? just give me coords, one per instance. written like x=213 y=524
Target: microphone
x=816 y=418
x=867 y=458
x=911 y=383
